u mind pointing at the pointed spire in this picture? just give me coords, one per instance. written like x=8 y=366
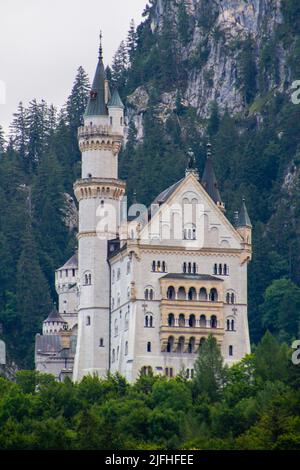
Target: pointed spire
x=244 y=219
x=97 y=105
x=115 y=101
x=209 y=180
x=100 y=47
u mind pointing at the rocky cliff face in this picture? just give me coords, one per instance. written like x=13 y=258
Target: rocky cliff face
x=221 y=34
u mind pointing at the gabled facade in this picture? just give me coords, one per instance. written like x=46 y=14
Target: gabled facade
x=151 y=287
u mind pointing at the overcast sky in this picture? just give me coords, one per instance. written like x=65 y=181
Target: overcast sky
x=43 y=42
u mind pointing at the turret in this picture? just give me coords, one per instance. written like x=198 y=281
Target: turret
x=116 y=113
x=98 y=192
x=54 y=323
x=244 y=228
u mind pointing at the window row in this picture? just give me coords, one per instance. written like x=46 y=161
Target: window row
x=159 y=266
x=192 y=294
x=190 y=268
x=67 y=271
x=87 y=279
x=221 y=269
x=116 y=274
x=116 y=353
x=192 y=322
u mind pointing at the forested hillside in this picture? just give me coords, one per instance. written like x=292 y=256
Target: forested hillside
x=253 y=405
x=192 y=70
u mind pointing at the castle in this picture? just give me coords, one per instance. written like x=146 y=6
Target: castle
x=147 y=286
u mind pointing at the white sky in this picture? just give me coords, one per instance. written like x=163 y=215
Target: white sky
x=43 y=42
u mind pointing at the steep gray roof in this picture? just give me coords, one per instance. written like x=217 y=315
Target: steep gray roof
x=164 y=195
x=48 y=344
x=96 y=105
x=209 y=180
x=244 y=219
x=54 y=316
x=71 y=263
x=115 y=101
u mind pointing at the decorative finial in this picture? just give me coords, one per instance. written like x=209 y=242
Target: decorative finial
x=100 y=47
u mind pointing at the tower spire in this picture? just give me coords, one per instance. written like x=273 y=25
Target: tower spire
x=100 y=47
x=209 y=180
x=97 y=104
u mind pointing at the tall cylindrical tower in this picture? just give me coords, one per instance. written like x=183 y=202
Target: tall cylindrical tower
x=98 y=192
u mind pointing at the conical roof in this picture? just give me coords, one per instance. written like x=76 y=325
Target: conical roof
x=244 y=219
x=115 y=101
x=54 y=316
x=96 y=105
x=209 y=180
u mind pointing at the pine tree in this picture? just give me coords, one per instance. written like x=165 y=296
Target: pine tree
x=32 y=298
x=48 y=198
x=119 y=66
x=77 y=101
x=18 y=132
x=36 y=121
x=2 y=141
x=210 y=371
x=131 y=42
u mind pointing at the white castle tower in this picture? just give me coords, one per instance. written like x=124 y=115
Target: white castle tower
x=98 y=192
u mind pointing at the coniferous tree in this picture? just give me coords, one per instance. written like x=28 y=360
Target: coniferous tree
x=32 y=298
x=2 y=141
x=210 y=371
x=18 y=132
x=131 y=42
x=119 y=67
x=77 y=101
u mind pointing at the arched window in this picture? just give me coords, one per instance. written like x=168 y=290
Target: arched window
x=191 y=345
x=215 y=268
x=90 y=279
x=171 y=293
x=151 y=294
x=88 y=321
x=220 y=270
x=230 y=350
x=158 y=266
x=190 y=268
x=228 y=325
x=228 y=298
x=126 y=348
x=113 y=358
x=194 y=268
x=170 y=344
x=171 y=319
x=232 y=298
x=192 y=321
x=225 y=270
x=213 y=321
x=181 y=320
x=203 y=294
x=149 y=347
x=192 y=294
x=184 y=268
x=153 y=266
x=232 y=325
x=101 y=343
x=146 y=321
x=180 y=347
x=181 y=293
x=164 y=267
x=146 y=294
x=214 y=295
x=116 y=327
x=203 y=321
x=126 y=321
x=149 y=320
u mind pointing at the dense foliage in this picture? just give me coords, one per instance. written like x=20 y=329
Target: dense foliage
x=253 y=405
